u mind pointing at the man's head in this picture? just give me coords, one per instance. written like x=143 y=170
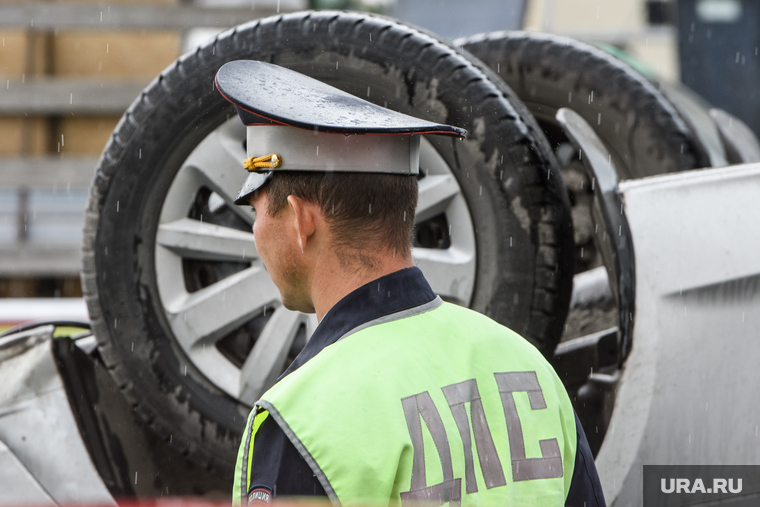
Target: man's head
x=332 y=178
x=373 y=212
x=305 y=219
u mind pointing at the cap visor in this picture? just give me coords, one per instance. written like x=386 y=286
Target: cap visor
x=254 y=182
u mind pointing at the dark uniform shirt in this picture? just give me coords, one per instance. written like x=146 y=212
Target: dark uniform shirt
x=276 y=462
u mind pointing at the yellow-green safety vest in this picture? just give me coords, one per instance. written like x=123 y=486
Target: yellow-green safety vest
x=438 y=404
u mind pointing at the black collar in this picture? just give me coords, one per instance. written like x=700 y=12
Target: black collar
x=389 y=294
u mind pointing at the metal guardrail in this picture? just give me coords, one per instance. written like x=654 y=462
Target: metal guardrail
x=42 y=203
x=59 y=96
x=46 y=172
x=99 y=16
x=42 y=199
x=39 y=261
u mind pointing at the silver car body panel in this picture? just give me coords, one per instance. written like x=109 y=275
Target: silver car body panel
x=43 y=459
x=687 y=391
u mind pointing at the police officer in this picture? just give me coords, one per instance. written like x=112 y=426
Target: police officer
x=398 y=396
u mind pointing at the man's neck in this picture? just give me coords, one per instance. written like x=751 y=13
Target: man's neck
x=335 y=279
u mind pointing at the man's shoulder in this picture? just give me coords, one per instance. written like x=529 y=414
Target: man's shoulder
x=479 y=325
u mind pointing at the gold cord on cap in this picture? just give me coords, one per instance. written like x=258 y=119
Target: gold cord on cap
x=270 y=161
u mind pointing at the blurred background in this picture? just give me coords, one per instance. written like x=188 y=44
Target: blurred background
x=68 y=70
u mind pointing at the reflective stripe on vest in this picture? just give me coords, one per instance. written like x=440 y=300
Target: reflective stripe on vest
x=245 y=457
x=440 y=406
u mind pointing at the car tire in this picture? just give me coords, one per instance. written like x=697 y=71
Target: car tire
x=505 y=170
x=643 y=131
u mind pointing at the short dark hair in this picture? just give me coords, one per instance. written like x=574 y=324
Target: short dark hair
x=365 y=210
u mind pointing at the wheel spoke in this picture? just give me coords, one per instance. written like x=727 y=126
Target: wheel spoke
x=219 y=158
x=450 y=272
x=265 y=362
x=193 y=239
x=436 y=191
x=201 y=317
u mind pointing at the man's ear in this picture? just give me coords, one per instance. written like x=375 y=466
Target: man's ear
x=305 y=219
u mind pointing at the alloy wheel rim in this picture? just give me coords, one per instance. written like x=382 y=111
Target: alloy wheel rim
x=200 y=318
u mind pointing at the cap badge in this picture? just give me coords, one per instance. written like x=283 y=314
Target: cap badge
x=273 y=161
